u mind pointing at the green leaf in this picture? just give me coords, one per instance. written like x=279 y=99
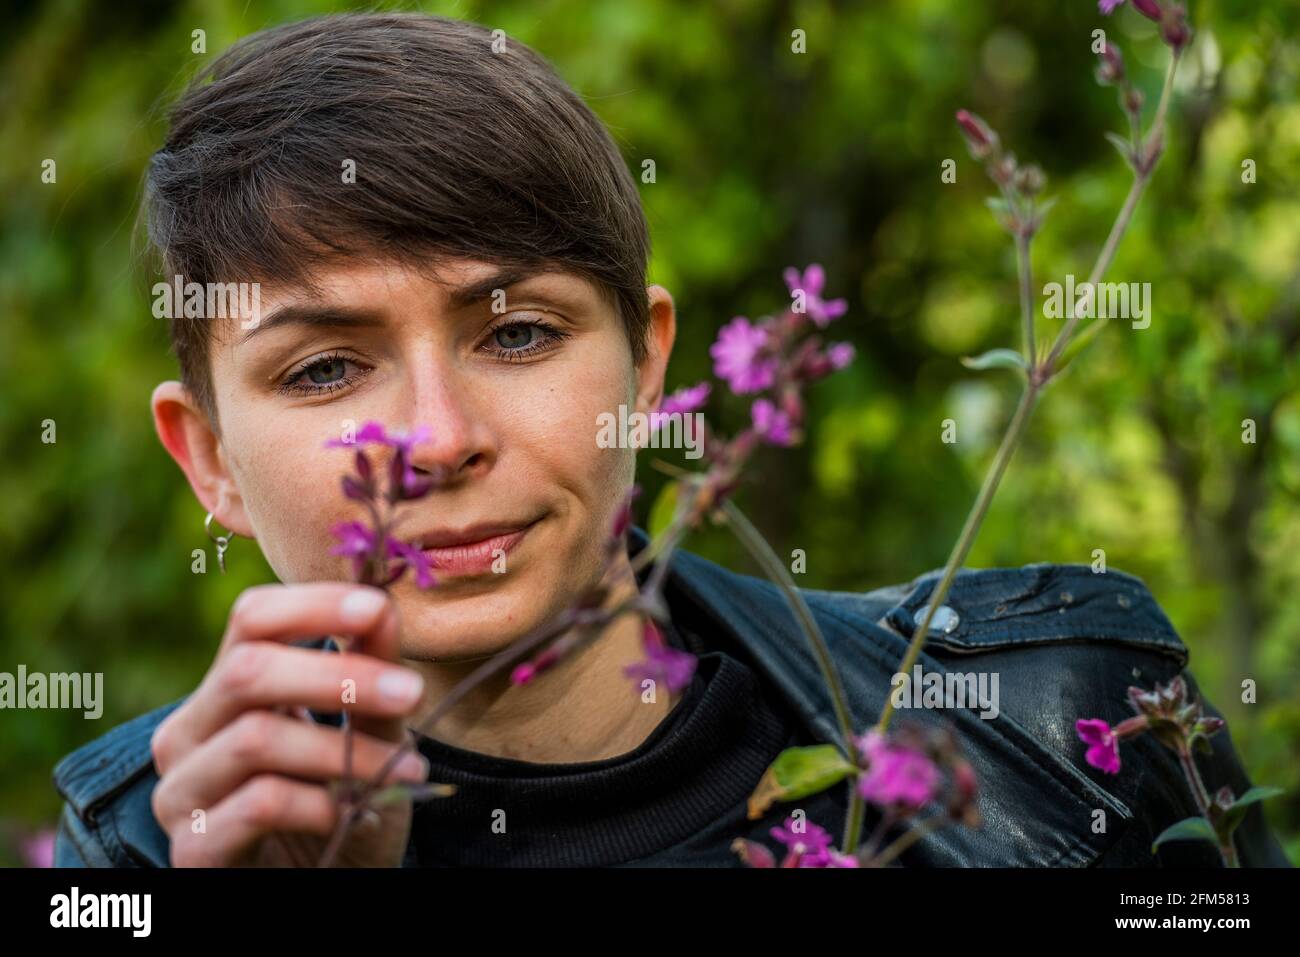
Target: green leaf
x=1041 y=210
x=1124 y=146
x=1079 y=343
x=664 y=509
x=999 y=206
x=1240 y=806
x=796 y=773
x=1191 y=829
x=996 y=359
x=414 y=791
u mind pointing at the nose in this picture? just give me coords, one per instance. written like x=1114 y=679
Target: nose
x=462 y=443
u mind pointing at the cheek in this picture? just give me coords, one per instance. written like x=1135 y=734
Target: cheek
x=290 y=487
x=559 y=425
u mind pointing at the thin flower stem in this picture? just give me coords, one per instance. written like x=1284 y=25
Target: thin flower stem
x=1026 y=270
x=908 y=838
x=1037 y=378
x=773 y=567
x=967 y=538
x=1197 y=786
x=887 y=820
x=1146 y=164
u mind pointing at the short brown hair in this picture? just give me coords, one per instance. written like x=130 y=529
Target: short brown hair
x=459 y=151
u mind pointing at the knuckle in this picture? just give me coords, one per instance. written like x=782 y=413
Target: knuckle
x=262 y=800
x=160 y=801
x=241 y=668
x=160 y=743
x=246 y=606
x=251 y=735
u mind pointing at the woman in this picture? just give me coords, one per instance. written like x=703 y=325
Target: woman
x=427 y=226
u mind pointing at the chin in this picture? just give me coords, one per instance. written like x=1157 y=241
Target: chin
x=463 y=620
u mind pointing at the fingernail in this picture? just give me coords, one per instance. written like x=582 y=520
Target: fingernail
x=412 y=767
x=360 y=607
x=401 y=685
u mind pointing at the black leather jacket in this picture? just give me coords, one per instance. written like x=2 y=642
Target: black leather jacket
x=1065 y=642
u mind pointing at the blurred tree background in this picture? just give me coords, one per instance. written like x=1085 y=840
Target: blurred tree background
x=765 y=158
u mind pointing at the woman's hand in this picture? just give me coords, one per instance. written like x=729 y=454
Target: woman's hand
x=259 y=775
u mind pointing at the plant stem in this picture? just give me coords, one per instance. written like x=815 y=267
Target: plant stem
x=967 y=538
x=775 y=569
x=1038 y=377
x=1193 y=774
x=1146 y=164
x=908 y=838
x=1026 y=270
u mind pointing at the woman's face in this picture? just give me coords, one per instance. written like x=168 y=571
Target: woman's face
x=510 y=376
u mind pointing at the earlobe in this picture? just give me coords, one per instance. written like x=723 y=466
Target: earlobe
x=661 y=335
x=188 y=437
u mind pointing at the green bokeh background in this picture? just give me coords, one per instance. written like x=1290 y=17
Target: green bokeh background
x=765 y=158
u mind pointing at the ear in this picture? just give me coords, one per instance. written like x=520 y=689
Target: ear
x=662 y=333
x=187 y=435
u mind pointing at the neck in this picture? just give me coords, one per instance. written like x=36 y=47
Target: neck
x=583 y=709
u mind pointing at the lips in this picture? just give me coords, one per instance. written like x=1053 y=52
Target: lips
x=472 y=550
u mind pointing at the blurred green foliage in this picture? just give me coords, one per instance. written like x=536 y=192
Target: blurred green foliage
x=765 y=158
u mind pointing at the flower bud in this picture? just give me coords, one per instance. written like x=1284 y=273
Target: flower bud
x=1110 y=66
x=1173 y=27
x=980 y=138
x=1003 y=170
x=1030 y=180
x=1132 y=727
x=1132 y=101
x=1209 y=725
x=1149 y=9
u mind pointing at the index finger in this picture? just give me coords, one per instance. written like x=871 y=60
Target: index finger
x=288 y=612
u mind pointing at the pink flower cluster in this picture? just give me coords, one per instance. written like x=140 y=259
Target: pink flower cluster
x=778 y=356
x=807 y=845
x=379 y=558
x=1165 y=712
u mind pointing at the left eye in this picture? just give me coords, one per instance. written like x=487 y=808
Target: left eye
x=519 y=336
x=518 y=341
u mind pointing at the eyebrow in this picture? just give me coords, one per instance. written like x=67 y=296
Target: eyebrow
x=315 y=315
x=336 y=316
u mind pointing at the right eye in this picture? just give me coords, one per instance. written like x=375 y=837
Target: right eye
x=323 y=374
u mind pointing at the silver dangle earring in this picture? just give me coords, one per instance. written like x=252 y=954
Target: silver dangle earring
x=223 y=541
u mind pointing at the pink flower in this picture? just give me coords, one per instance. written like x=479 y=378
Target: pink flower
x=663 y=664
x=374 y=433
x=687 y=399
x=773 y=425
x=356 y=541
x=1103 y=744
x=737 y=357
x=38 y=849
x=413 y=558
x=528 y=670
x=840 y=355
x=812 y=846
x=896 y=775
x=810 y=284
